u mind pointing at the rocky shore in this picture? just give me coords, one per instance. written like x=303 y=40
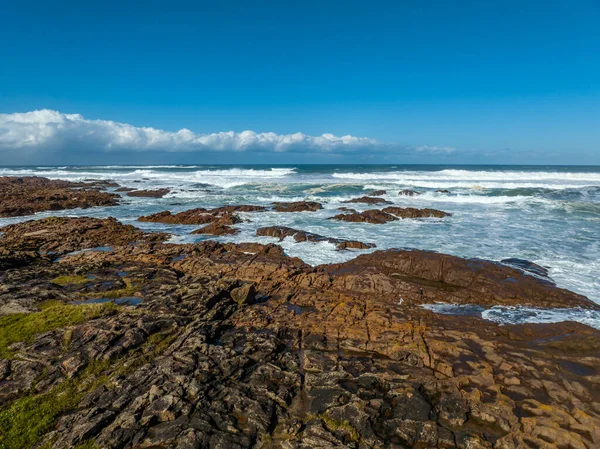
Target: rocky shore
x=28 y=195
x=110 y=337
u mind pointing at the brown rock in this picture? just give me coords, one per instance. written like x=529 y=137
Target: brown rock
x=216 y=228
x=58 y=235
x=28 y=195
x=373 y=216
x=298 y=206
x=411 y=212
x=368 y=200
x=194 y=217
x=378 y=193
x=281 y=232
x=239 y=208
x=347 y=209
x=159 y=193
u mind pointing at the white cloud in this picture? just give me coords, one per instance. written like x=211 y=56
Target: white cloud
x=52 y=130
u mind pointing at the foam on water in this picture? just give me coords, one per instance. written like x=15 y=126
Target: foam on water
x=520 y=315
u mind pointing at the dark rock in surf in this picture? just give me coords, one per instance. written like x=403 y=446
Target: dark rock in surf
x=281 y=232
x=159 y=193
x=408 y=192
x=298 y=206
x=368 y=200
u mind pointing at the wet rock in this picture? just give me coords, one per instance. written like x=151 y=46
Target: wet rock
x=373 y=216
x=158 y=193
x=368 y=200
x=124 y=189
x=239 y=208
x=408 y=192
x=194 y=217
x=527 y=267
x=378 y=193
x=31 y=194
x=347 y=209
x=216 y=228
x=281 y=232
x=298 y=206
x=411 y=212
x=442 y=191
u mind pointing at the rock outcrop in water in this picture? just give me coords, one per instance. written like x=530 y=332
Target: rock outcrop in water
x=240 y=346
x=392 y=213
x=28 y=195
x=158 y=193
x=196 y=216
x=411 y=212
x=368 y=200
x=298 y=206
x=408 y=192
x=216 y=228
x=281 y=232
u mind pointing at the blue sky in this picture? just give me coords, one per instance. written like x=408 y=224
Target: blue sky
x=490 y=82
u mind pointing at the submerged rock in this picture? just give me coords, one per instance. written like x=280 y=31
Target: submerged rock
x=31 y=194
x=378 y=193
x=408 y=192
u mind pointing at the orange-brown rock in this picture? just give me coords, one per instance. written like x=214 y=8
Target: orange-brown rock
x=28 y=195
x=298 y=206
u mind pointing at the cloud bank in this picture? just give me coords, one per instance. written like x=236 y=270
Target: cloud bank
x=54 y=131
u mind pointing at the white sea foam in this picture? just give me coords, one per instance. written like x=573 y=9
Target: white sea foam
x=479 y=179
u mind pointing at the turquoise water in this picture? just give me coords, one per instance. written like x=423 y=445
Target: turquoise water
x=548 y=215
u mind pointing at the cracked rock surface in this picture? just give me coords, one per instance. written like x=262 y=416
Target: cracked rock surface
x=240 y=346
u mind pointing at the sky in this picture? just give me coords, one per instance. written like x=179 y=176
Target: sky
x=290 y=82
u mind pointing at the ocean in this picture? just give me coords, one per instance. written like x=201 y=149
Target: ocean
x=549 y=215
